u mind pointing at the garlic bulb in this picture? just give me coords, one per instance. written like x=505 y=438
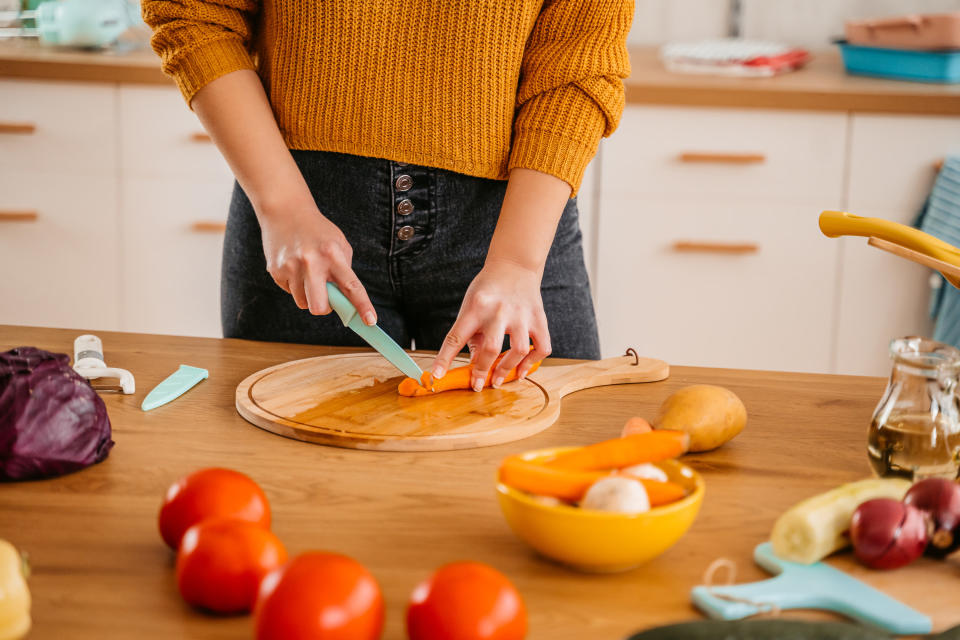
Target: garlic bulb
x=616 y=494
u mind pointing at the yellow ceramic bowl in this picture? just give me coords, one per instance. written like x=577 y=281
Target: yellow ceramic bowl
x=596 y=541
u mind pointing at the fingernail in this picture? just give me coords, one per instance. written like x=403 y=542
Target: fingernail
x=522 y=375
x=477 y=384
x=497 y=382
x=438 y=372
x=370 y=319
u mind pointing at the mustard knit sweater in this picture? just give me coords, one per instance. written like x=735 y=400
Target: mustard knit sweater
x=474 y=86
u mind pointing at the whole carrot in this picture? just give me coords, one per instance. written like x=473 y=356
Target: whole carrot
x=541 y=480
x=618 y=453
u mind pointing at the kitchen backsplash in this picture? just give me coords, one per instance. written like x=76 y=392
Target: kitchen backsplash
x=809 y=23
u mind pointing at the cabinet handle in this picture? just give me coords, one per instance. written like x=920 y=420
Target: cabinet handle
x=730 y=248
x=200 y=136
x=209 y=226
x=18 y=127
x=722 y=158
x=18 y=216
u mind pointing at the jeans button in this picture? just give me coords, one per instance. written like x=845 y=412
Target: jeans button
x=404 y=182
x=405 y=233
x=405 y=207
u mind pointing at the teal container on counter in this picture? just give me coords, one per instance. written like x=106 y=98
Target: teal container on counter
x=902 y=64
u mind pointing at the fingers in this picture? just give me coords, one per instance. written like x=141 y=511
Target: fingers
x=461 y=331
x=540 y=335
x=350 y=285
x=317 y=299
x=296 y=288
x=519 y=348
x=486 y=353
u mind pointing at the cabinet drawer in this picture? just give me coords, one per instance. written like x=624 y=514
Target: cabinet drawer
x=754 y=290
x=173 y=242
x=716 y=152
x=892 y=160
x=60 y=258
x=882 y=297
x=61 y=127
x=161 y=136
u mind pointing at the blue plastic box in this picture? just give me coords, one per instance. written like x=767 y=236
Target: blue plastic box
x=902 y=64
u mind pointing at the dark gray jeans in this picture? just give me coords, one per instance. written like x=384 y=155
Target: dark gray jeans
x=419 y=236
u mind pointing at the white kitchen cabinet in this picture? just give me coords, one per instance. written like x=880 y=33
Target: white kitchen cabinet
x=755 y=154
x=64 y=128
x=757 y=287
x=771 y=309
x=160 y=136
x=171 y=254
x=59 y=269
x=174 y=192
x=882 y=296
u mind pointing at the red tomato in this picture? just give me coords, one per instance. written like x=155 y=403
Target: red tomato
x=210 y=493
x=466 y=601
x=319 y=596
x=221 y=562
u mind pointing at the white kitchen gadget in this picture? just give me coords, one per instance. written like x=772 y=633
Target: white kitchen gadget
x=88 y=362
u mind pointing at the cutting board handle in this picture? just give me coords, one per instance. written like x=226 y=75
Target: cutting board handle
x=566 y=379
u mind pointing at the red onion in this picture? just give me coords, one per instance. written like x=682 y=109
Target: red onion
x=939 y=499
x=887 y=534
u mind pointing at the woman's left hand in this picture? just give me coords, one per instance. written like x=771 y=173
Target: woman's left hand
x=503 y=299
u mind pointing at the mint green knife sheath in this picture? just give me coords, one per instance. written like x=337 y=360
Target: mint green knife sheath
x=178 y=383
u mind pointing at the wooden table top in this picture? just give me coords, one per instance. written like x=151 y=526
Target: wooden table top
x=102 y=571
x=822 y=85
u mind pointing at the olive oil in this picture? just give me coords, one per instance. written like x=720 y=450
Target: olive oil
x=914 y=447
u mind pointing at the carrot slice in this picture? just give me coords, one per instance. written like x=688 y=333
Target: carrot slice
x=456 y=378
x=568 y=485
x=624 y=452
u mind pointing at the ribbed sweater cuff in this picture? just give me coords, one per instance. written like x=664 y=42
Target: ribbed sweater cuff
x=558 y=133
x=194 y=68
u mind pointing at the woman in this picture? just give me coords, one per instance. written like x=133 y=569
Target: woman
x=420 y=154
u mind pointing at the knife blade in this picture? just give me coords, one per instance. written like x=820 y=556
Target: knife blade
x=372 y=335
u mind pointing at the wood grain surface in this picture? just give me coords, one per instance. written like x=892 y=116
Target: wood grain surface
x=351 y=400
x=101 y=570
x=822 y=85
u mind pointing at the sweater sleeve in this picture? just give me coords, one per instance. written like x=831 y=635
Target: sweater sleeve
x=200 y=40
x=571 y=85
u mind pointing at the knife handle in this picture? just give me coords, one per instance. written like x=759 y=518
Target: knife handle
x=343 y=307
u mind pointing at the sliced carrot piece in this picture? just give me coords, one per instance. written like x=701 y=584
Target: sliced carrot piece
x=652 y=446
x=456 y=378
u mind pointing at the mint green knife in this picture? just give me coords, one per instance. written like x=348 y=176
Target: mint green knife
x=374 y=336
x=178 y=383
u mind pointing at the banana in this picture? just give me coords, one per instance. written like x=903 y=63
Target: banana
x=816 y=527
x=14 y=595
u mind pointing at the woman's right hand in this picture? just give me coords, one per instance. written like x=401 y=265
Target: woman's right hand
x=304 y=251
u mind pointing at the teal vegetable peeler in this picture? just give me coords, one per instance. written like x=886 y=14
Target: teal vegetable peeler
x=178 y=383
x=813 y=586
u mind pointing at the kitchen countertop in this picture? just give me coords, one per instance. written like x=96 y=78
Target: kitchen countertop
x=101 y=570
x=823 y=85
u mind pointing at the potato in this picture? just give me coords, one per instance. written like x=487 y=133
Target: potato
x=710 y=415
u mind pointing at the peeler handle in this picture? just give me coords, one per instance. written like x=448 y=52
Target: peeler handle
x=88 y=352
x=840 y=223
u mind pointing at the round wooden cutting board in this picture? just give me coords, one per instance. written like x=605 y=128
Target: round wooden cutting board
x=352 y=401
